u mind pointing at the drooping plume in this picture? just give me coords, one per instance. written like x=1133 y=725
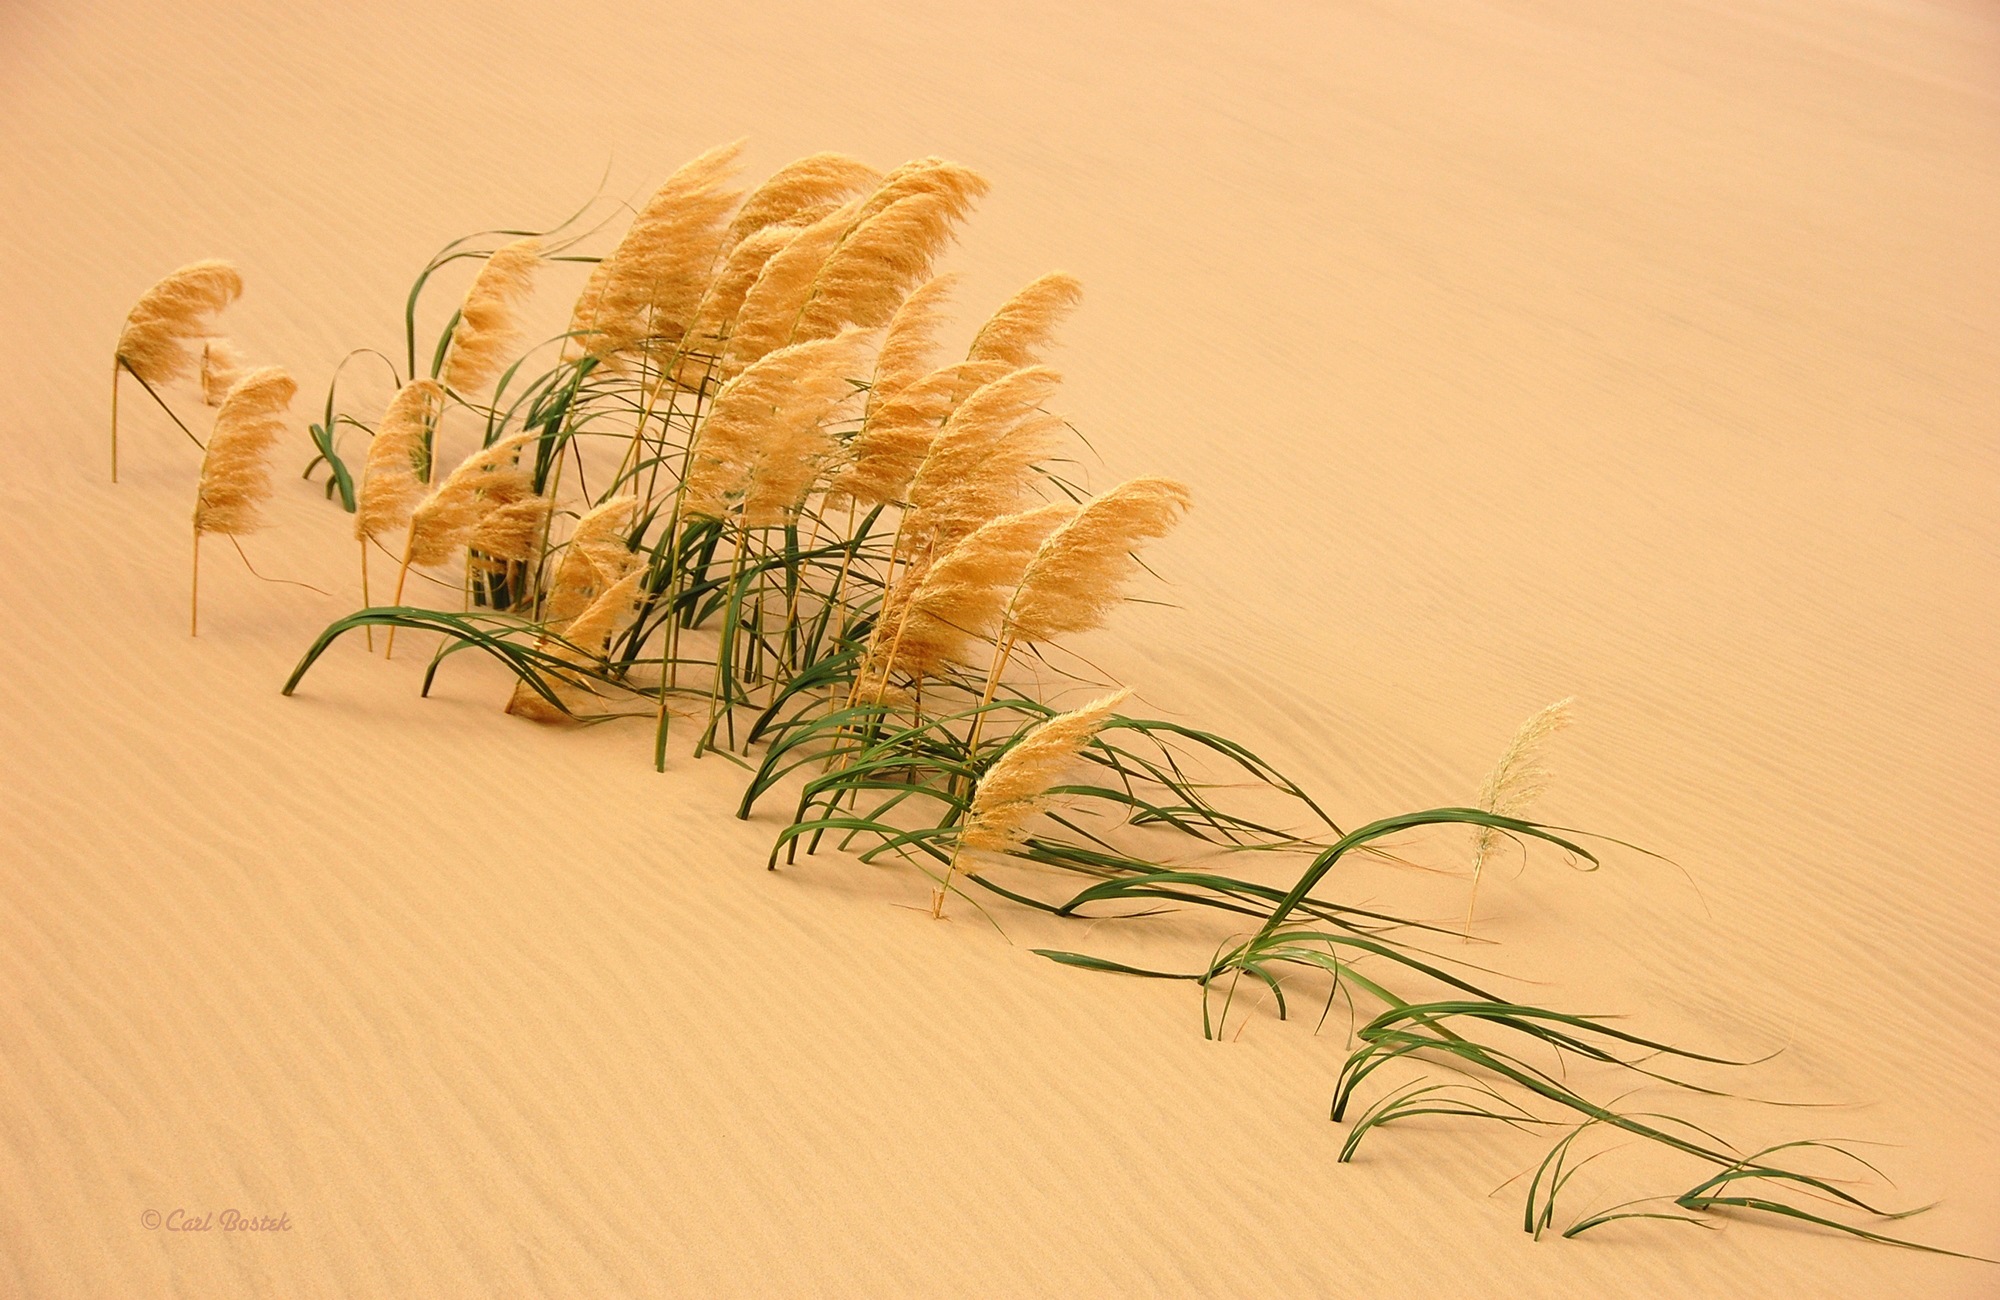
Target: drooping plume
x=644 y=295
x=960 y=599
x=236 y=468
x=221 y=366
x=1016 y=787
x=959 y=186
x=156 y=342
x=488 y=330
x=763 y=432
x=910 y=343
x=584 y=642
x=1080 y=572
x=896 y=434
x=483 y=482
x=390 y=482
x=511 y=530
x=596 y=557
x=1025 y=323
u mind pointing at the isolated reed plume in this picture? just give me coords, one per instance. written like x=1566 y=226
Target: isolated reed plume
x=595 y=558
x=768 y=418
x=960 y=599
x=650 y=285
x=981 y=462
x=1080 y=572
x=489 y=330
x=1017 y=786
x=235 y=468
x=1516 y=781
x=155 y=344
x=1026 y=323
x=392 y=480
x=958 y=185
x=221 y=366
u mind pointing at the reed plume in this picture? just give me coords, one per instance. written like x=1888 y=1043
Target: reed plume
x=874 y=267
x=488 y=329
x=896 y=434
x=765 y=422
x=1079 y=573
x=154 y=344
x=949 y=605
x=1018 y=785
x=646 y=292
x=486 y=480
x=1016 y=334
x=221 y=366
x=910 y=341
x=1516 y=781
x=512 y=530
x=981 y=462
x=772 y=304
x=596 y=557
x=809 y=186
x=958 y=185
x=584 y=642
x=390 y=482
x=235 y=468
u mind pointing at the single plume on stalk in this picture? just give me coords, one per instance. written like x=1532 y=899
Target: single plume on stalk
x=235 y=468
x=1018 y=784
x=644 y=295
x=489 y=329
x=596 y=556
x=960 y=599
x=772 y=304
x=486 y=480
x=809 y=187
x=1080 y=572
x=511 y=531
x=867 y=276
x=765 y=425
x=896 y=433
x=981 y=462
x=156 y=343
x=1026 y=323
x=221 y=366
x=1516 y=781
x=391 y=483
x=584 y=643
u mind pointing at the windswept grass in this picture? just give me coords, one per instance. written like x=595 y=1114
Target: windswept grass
x=749 y=491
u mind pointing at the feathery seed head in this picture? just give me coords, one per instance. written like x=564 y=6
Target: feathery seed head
x=1025 y=323
x=390 y=486
x=154 y=344
x=486 y=480
x=236 y=469
x=488 y=329
x=1016 y=786
x=1080 y=572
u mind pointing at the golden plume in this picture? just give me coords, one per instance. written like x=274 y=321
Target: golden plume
x=1080 y=571
x=1516 y=781
x=771 y=307
x=236 y=471
x=154 y=342
x=980 y=464
x=221 y=366
x=488 y=329
x=961 y=597
x=585 y=640
x=646 y=292
x=896 y=434
x=511 y=530
x=910 y=341
x=154 y=345
x=808 y=186
x=390 y=487
x=596 y=556
x=1025 y=323
x=765 y=422
x=486 y=480
x=959 y=186
x=866 y=277
x=235 y=466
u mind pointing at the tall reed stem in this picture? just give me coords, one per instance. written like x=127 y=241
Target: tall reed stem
x=402 y=574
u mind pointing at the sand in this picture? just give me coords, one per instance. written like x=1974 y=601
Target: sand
x=1514 y=350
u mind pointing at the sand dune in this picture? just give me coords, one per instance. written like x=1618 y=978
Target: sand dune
x=1514 y=350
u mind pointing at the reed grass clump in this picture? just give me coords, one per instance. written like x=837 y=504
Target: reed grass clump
x=749 y=490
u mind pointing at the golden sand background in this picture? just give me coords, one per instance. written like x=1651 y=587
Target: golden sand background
x=1514 y=349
